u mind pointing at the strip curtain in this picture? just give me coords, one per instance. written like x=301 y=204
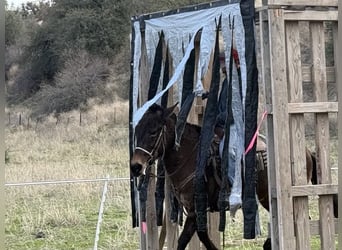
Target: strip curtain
x=178 y=33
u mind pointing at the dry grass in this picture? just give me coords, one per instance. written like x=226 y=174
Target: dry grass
x=64 y=216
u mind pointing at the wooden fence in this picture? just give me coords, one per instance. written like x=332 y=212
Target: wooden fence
x=283 y=75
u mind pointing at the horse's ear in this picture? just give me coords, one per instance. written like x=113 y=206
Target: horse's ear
x=170 y=110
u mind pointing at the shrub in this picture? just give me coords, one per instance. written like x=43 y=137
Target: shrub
x=83 y=77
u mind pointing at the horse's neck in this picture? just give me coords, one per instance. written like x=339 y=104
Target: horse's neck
x=177 y=159
x=190 y=134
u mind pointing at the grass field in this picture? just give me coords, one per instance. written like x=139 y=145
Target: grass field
x=64 y=216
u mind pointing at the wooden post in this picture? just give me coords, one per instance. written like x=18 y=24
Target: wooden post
x=303 y=2
x=338 y=62
x=115 y=115
x=172 y=230
x=144 y=73
x=143 y=237
x=281 y=144
x=19 y=119
x=151 y=215
x=36 y=124
x=297 y=135
x=322 y=134
x=267 y=84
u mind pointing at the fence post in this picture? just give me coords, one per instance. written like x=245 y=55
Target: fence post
x=114 y=115
x=36 y=124
x=99 y=220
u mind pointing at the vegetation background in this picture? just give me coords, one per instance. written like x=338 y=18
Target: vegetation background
x=65 y=58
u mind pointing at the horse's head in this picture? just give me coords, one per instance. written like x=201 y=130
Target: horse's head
x=149 y=138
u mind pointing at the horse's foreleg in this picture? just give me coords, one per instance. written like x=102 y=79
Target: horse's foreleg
x=187 y=233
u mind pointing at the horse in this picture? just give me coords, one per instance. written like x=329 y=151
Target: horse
x=155 y=139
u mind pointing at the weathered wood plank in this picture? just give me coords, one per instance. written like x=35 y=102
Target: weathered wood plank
x=311 y=190
x=144 y=77
x=193 y=116
x=266 y=76
x=297 y=135
x=336 y=48
x=214 y=234
x=151 y=215
x=338 y=64
x=322 y=134
x=304 y=2
x=311 y=15
x=281 y=129
x=315 y=227
x=307 y=74
x=313 y=107
x=172 y=229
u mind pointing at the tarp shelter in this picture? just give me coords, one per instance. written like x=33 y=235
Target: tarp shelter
x=163 y=46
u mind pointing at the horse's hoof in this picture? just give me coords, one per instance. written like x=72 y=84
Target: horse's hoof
x=267 y=244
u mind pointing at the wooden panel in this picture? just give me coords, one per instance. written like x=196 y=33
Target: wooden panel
x=307 y=74
x=266 y=76
x=151 y=215
x=206 y=81
x=338 y=63
x=144 y=77
x=265 y=57
x=172 y=229
x=303 y=2
x=310 y=190
x=214 y=234
x=193 y=115
x=281 y=129
x=311 y=15
x=315 y=227
x=297 y=135
x=335 y=42
x=313 y=107
x=322 y=134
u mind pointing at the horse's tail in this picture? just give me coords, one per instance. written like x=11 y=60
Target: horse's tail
x=314 y=179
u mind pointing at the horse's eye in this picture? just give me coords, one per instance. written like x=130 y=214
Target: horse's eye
x=154 y=134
